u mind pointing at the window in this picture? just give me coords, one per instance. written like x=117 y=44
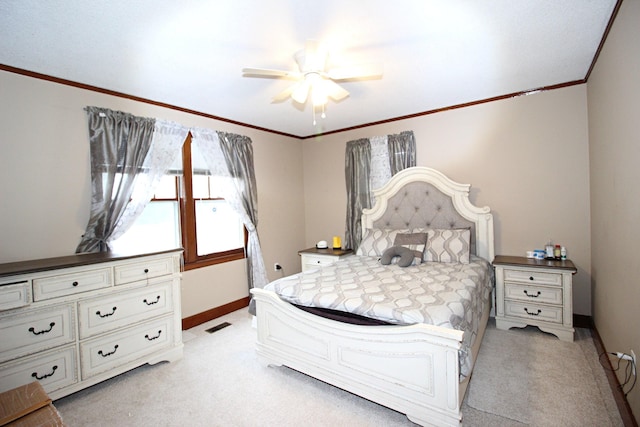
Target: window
x=186 y=212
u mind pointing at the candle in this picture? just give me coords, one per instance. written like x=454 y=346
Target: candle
x=336 y=242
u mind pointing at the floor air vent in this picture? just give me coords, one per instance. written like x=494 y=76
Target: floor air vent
x=218 y=327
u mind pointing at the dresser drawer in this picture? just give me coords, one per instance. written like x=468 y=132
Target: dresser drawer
x=102 y=314
x=15 y=295
x=54 y=370
x=533 y=311
x=144 y=269
x=71 y=283
x=105 y=353
x=539 y=294
x=533 y=277
x=36 y=330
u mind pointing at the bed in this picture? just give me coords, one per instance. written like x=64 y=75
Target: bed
x=417 y=368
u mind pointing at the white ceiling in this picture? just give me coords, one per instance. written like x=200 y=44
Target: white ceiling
x=190 y=54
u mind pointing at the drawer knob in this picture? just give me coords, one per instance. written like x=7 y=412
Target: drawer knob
x=536 y=295
x=530 y=313
x=146 y=270
x=75 y=284
x=153 y=338
x=152 y=302
x=44 y=331
x=531 y=278
x=113 y=310
x=115 y=348
x=38 y=377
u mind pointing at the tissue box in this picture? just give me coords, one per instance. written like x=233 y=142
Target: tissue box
x=28 y=406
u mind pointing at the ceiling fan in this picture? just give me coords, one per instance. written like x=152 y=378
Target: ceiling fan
x=315 y=81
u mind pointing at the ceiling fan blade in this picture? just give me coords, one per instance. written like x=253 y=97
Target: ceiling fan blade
x=266 y=72
x=301 y=92
x=334 y=90
x=364 y=71
x=285 y=94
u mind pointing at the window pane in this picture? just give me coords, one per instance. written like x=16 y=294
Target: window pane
x=200 y=187
x=157 y=228
x=218 y=228
x=167 y=188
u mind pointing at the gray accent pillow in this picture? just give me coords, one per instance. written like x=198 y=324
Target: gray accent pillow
x=414 y=241
x=406 y=256
x=445 y=245
x=377 y=240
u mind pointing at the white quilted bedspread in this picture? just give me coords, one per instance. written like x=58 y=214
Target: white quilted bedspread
x=444 y=294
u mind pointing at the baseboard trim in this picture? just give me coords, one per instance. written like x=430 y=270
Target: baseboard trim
x=214 y=313
x=621 y=401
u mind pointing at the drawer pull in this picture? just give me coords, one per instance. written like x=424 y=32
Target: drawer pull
x=107 y=314
x=531 y=278
x=153 y=338
x=75 y=284
x=115 y=348
x=152 y=302
x=38 y=377
x=536 y=295
x=146 y=270
x=44 y=331
x=531 y=313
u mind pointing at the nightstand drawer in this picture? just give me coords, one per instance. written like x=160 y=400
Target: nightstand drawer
x=538 y=294
x=311 y=261
x=533 y=311
x=533 y=277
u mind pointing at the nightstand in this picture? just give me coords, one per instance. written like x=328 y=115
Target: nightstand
x=535 y=292
x=314 y=257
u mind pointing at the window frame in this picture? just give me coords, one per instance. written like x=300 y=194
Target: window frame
x=187 y=217
x=187 y=207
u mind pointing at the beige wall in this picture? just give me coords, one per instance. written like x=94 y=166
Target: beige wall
x=614 y=133
x=45 y=191
x=526 y=158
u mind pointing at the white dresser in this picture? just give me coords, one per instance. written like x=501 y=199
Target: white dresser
x=535 y=292
x=71 y=322
x=313 y=257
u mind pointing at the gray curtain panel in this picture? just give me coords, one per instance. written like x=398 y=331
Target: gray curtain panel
x=402 y=154
x=357 y=170
x=119 y=143
x=238 y=154
x=402 y=151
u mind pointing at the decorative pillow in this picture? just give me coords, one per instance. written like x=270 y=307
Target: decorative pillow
x=377 y=240
x=448 y=245
x=414 y=241
x=406 y=256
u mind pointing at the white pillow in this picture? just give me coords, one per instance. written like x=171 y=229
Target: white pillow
x=448 y=245
x=377 y=240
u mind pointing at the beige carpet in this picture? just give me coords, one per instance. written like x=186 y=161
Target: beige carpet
x=220 y=383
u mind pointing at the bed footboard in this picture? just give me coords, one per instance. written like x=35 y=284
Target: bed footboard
x=411 y=369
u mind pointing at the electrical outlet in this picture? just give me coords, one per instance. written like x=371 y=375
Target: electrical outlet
x=277 y=267
x=633 y=359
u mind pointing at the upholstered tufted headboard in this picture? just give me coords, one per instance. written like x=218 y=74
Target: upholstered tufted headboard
x=421 y=197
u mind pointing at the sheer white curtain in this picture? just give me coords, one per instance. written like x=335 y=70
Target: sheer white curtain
x=238 y=191
x=167 y=139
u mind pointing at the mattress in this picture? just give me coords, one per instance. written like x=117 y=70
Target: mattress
x=449 y=295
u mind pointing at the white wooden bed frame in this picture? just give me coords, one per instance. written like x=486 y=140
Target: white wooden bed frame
x=411 y=369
